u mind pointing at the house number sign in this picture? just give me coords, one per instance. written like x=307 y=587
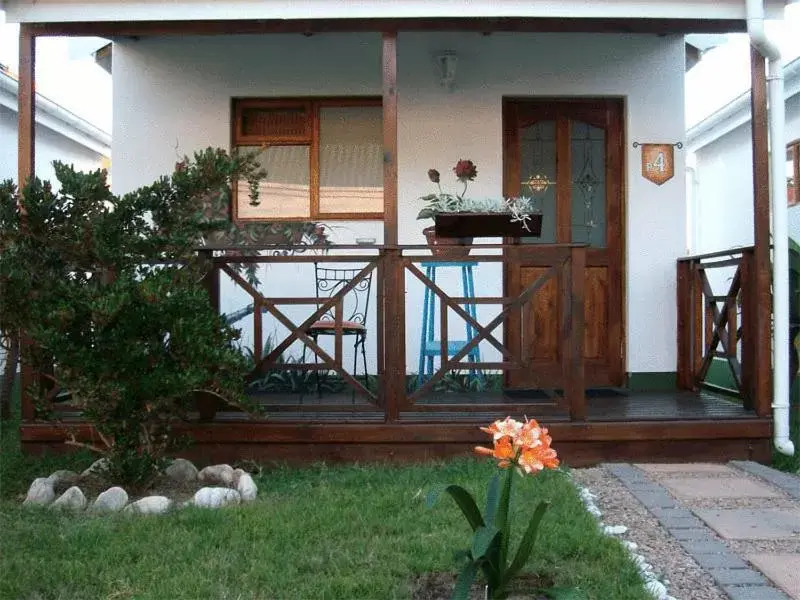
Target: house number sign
x=658 y=161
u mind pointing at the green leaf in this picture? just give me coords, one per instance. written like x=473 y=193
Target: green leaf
x=463 y=499
x=565 y=593
x=528 y=540
x=464 y=581
x=501 y=522
x=482 y=541
x=492 y=499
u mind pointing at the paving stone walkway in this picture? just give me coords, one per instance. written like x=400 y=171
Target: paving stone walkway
x=739 y=521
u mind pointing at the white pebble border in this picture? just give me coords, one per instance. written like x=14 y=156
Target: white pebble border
x=656 y=588
x=224 y=486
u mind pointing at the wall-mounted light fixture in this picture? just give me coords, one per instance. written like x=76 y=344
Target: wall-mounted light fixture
x=447 y=62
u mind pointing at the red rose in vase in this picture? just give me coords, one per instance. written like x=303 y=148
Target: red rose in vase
x=465 y=170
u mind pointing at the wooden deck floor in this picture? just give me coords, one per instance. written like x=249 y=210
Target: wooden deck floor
x=651 y=426
x=479 y=407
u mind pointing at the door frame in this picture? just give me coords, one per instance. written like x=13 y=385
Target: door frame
x=614 y=186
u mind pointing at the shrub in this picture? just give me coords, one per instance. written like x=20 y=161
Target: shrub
x=110 y=290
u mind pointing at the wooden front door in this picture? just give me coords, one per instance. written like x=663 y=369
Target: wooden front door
x=567 y=155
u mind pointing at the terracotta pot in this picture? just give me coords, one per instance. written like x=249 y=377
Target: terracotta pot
x=455 y=248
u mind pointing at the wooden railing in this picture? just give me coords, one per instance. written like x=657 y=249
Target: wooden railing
x=394 y=268
x=567 y=271
x=717 y=306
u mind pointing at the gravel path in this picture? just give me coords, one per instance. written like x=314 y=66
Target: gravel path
x=684 y=578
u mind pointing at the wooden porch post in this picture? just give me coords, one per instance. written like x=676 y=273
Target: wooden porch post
x=26 y=167
x=686 y=359
x=760 y=280
x=394 y=370
x=390 y=207
x=572 y=329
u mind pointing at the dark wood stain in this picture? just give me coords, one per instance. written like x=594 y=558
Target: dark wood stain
x=604 y=299
x=761 y=374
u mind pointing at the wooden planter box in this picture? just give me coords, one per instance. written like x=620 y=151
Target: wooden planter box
x=459 y=225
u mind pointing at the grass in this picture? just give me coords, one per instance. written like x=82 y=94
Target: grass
x=317 y=532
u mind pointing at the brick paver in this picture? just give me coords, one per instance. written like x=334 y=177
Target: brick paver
x=783 y=569
x=684 y=469
x=749 y=524
x=728 y=487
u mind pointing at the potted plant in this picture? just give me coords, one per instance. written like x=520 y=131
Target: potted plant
x=458 y=219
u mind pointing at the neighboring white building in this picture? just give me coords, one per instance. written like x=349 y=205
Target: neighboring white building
x=719 y=161
x=60 y=135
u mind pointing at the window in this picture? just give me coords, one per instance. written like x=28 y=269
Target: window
x=323 y=158
x=793 y=172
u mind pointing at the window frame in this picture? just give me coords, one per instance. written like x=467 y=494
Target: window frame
x=310 y=139
x=794 y=148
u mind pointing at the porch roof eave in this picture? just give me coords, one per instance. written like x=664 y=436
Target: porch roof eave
x=640 y=25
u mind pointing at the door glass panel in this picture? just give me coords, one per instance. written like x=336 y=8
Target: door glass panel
x=538 y=173
x=588 y=184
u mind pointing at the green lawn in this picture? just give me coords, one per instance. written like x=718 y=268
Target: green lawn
x=316 y=532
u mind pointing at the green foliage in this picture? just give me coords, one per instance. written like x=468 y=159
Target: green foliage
x=110 y=289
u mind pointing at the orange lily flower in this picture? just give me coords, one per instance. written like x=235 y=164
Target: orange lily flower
x=526 y=445
x=506 y=427
x=535 y=459
x=503 y=451
x=529 y=435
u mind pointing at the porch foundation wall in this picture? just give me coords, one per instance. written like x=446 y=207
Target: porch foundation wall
x=640 y=444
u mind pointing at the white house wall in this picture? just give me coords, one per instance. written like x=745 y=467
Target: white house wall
x=172 y=96
x=50 y=146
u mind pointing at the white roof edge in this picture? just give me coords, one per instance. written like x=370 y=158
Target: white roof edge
x=32 y=11
x=736 y=113
x=59 y=119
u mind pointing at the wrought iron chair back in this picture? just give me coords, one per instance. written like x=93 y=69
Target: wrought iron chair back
x=355 y=306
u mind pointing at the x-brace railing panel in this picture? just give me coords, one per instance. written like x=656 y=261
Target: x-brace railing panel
x=722 y=334
x=300 y=332
x=482 y=332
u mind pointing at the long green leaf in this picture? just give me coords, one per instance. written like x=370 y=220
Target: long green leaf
x=492 y=499
x=490 y=567
x=490 y=571
x=463 y=499
x=501 y=522
x=528 y=540
x=483 y=540
x=464 y=581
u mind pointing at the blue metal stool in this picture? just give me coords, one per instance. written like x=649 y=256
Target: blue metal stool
x=430 y=347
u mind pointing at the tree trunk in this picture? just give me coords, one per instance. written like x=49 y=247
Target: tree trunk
x=9 y=375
